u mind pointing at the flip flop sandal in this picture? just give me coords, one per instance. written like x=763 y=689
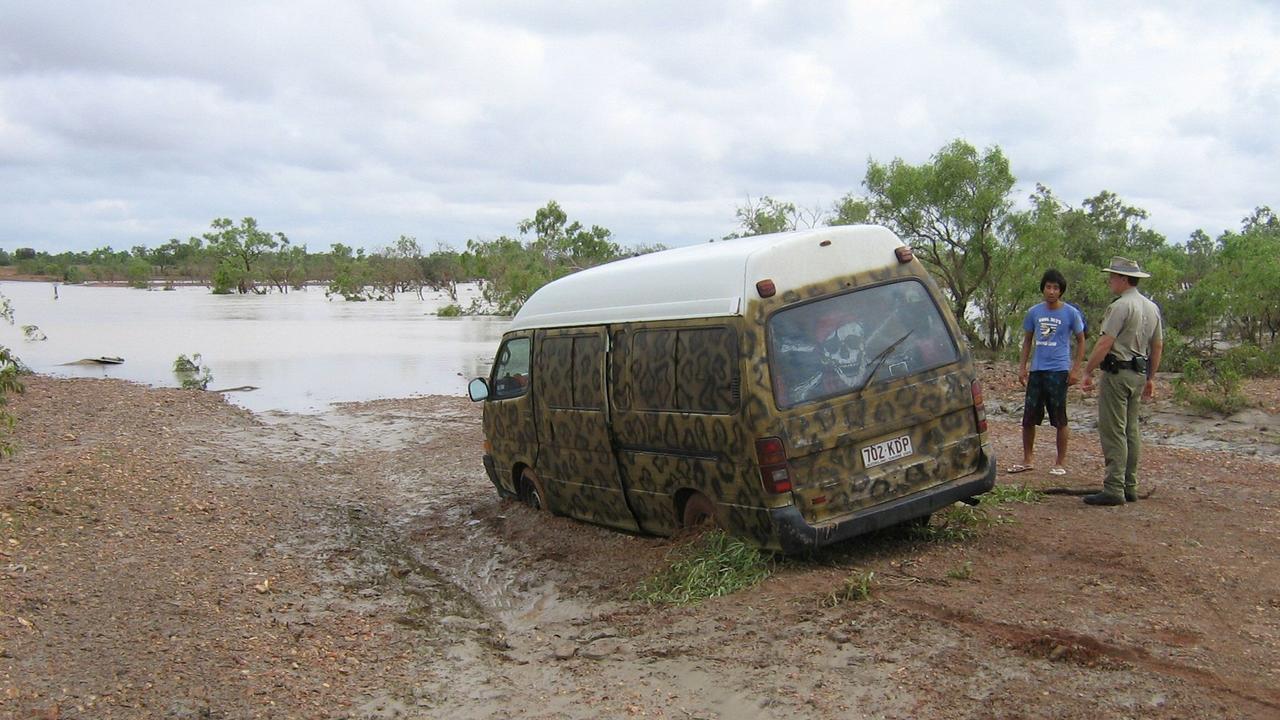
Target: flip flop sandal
x=1018 y=468
x=1058 y=471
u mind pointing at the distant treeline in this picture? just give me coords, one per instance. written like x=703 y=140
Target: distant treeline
x=244 y=258
x=957 y=211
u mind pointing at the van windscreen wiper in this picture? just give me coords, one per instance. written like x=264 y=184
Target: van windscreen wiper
x=880 y=357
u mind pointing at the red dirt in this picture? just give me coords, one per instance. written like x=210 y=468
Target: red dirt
x=163 y=554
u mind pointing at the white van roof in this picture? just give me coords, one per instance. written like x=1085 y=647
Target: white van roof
x=707 y=280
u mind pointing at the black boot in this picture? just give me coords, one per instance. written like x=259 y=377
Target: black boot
x=1130 y=495
x=1103 y=499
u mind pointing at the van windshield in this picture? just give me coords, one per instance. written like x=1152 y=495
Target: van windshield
x=840 y=344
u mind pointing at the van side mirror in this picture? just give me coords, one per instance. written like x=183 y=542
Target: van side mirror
x=478 y=389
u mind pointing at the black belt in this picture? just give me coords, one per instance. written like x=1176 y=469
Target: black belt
x=1113 y=365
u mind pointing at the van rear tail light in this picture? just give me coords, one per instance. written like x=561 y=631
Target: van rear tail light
x=979 y=408
x=905 y=254
x=774 y=473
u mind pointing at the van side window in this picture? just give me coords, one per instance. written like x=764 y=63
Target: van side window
x=588 y=353
x=840 y=344
x=619 y=378
x=687 y=370
x=706 y=370
x=511 y=369
x=569 y=372
x=653 y=369
x=555 y=371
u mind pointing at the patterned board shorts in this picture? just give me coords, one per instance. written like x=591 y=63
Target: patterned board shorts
x=1046 y=390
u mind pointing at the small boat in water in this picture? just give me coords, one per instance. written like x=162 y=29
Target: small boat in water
x=103 y=360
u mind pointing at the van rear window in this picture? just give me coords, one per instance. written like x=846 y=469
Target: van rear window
x=840 y=344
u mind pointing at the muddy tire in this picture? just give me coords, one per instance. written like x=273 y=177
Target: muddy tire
x=699 y=512
x=530 y=490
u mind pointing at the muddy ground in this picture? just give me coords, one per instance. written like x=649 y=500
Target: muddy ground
x=164 y=554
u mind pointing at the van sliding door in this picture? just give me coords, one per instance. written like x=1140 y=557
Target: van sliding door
x=575 y=460
x=676 y=395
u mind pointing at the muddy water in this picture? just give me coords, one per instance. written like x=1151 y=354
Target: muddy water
x=302 y=351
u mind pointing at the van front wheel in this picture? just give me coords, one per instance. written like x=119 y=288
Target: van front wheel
x=699 y=512
x=529 y=492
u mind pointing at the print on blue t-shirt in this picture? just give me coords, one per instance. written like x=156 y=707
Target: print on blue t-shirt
x=1051 y=332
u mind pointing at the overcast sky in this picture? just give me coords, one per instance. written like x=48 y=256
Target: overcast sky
x=127 y=123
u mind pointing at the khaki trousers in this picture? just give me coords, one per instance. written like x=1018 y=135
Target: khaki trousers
x=1118 y=429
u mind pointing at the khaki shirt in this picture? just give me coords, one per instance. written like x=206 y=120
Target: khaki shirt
x=1134 y=321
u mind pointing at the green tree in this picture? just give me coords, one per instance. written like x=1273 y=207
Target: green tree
x=1103 y=227
x=10 y=367
x=511 y=269
x=441 y=271
x=350 y=274
x=1247 y=277
x=1032 y=242
x=567 y=246
x=951 y=210
x=508 y=271
x=138 y=271
x=767 y=215
x=286 y=267
x=174 y=255
x=1196 y=311
x=850 y=210
x=397 y=268
x=240 y=248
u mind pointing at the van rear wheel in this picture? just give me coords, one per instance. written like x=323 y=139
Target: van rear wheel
x=529 y=492
x=699 y=512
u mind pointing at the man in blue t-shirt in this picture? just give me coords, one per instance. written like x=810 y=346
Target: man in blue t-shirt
x=1047 y=331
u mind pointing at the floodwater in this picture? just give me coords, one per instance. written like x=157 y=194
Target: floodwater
x=302 y=350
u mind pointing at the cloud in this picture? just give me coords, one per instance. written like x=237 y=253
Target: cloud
x=128 y=124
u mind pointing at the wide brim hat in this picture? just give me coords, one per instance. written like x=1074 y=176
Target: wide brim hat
x=1125 y=266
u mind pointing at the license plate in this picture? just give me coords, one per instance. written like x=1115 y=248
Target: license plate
x=883 y=452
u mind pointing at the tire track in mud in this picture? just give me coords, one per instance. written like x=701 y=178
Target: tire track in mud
x=464 y=543
x=426 y=526
x=1057 y=644
x=439 y=522
x=366 y=476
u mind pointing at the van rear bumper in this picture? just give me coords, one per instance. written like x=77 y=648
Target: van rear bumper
x=795 y=535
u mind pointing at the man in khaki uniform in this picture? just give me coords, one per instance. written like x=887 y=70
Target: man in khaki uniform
x=1128 y=350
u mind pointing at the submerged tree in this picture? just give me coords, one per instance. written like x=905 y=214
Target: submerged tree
x=510 y=270
x=240 y=248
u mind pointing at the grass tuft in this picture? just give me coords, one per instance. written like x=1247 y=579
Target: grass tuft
x=964 y=522
x=856 y=588
x=1011 y=493
x=964 y=571
x=714 y=565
